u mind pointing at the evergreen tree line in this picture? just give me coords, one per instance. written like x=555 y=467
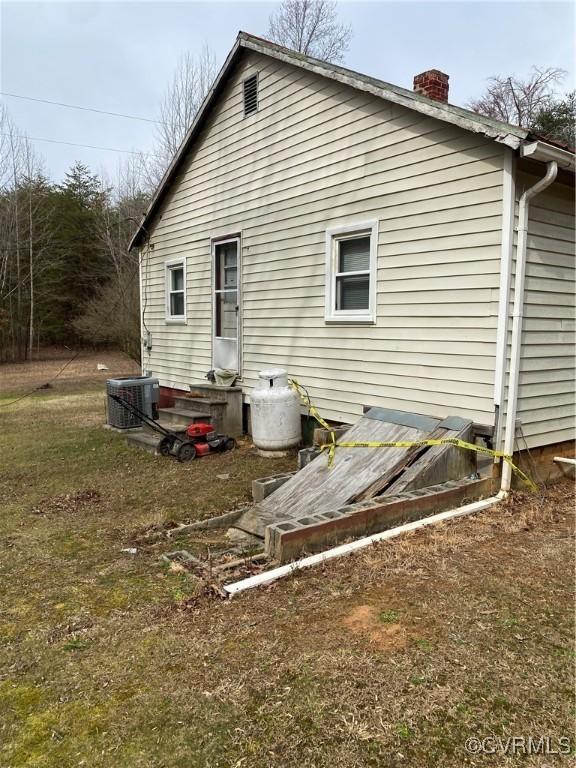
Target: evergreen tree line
x=66 y=276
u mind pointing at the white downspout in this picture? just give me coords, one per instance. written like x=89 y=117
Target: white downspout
x=517 y=314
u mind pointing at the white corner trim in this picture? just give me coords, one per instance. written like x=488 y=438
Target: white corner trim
x=350 y=316
x=141 y=306
x=168 y=265
x=506 y=258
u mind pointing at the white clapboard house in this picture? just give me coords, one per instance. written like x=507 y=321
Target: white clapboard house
x=386 y=247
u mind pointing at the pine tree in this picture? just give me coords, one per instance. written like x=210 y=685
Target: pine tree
x=80 y=258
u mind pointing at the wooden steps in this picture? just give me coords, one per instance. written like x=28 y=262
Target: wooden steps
x=190 y=415
x=219 y=406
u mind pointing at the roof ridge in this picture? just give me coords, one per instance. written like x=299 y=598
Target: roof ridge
x=248 y=36
x=509 y=135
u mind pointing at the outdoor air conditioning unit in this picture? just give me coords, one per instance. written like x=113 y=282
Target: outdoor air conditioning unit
x=143 y=392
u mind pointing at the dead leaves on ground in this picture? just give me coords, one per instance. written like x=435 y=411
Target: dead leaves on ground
x=68 y=503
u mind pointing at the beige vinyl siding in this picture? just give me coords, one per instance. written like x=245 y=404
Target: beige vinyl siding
x=546 y=390
x=317 y=155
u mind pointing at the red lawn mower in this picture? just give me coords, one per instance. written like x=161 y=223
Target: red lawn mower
x=198 y=439
x=201 y=440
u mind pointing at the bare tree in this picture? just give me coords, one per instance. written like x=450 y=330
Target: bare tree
x=8 y=140
x=311 y=27
x=32 y=171
x=191 y=82
x=11 y=172
x=126 y=202
x=111 y=316
x=25 y=239
x=518 y=101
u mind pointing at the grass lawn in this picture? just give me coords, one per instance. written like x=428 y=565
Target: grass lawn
x=391 y=657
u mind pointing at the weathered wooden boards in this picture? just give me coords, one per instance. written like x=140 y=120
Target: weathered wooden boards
x=439 y=463
x=422 y=467
x=355 y=471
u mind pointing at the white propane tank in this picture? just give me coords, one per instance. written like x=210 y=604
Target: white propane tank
x=275 y=413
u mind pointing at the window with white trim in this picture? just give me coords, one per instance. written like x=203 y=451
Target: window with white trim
x=176 y=290
x=351 y=272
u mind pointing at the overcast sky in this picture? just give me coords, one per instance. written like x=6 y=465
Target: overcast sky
x=119 y=56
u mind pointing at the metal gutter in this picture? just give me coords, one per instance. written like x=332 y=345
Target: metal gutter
x=547 y=153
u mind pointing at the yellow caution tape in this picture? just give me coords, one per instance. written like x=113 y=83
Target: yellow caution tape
x=454 y=441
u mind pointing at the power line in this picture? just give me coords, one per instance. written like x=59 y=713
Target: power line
x=83 y=109
x=46 y=385
x=86 y=146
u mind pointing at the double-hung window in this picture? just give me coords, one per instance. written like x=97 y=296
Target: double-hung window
x=351 y=273
x=176 y=291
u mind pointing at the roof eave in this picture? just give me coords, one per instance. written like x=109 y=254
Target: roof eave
x=509 y=135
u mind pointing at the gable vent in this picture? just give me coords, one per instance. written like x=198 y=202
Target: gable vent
x=251 y=95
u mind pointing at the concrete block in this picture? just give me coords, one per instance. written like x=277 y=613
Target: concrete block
x=324 y=437
x=288 y=526
x=264 y=486
x=288 y=540
x=539 y=465
x=304 y=521
x=349 y=509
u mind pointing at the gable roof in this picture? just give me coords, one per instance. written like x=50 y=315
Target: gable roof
x=504 y=133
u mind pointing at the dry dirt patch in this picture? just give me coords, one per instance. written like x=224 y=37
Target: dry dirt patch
x=370 y=622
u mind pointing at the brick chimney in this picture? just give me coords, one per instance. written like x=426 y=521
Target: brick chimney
x=433 y=84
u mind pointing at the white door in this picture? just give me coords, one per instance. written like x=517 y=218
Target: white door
x=226 y=304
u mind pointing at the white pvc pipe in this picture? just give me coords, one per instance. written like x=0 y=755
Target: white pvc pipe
x=518 y=311
x=266 y=577
x=564 y=460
